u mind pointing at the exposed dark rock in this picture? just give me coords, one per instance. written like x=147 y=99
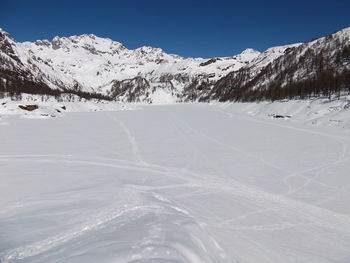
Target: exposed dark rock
x=208 y=62
x=278 y=116
x=130 y=89
x=28 y=107
x=6 y=46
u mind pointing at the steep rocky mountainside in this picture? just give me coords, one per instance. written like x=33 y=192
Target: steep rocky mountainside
x=94 y=67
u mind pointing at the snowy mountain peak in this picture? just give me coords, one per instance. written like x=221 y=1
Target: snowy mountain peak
x=4 y=34
x=250 y=51
x=148 y=50
x=87 y=41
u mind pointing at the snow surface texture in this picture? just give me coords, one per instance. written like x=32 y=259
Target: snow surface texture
x=317 y=111
x=187 y=183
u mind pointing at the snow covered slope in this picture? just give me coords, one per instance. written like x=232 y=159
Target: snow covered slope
x=101 y=66
x=184 y=183
x=44 y=107
x=91 y=63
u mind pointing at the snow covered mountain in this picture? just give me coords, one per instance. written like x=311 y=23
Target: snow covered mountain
x=91 y=66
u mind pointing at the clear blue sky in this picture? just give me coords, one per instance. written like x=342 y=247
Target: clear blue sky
x=188 y=28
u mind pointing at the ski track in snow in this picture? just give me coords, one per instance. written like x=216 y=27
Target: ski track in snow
x=131 y=138
x=168 y=209
x=228 y=185
x=317 y=216
x=338 y=139
x=52 y=242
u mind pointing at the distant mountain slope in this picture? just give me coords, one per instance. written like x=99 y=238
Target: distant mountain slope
x=90 y=66
x=319 y=67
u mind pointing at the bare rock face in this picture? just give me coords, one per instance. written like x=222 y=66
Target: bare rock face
x=130 y=90
x=28 y=107
x=6 y=46
x=210 y=61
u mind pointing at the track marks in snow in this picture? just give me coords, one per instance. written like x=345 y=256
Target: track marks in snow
x=131 y=138
x=319 y=216
x=128 y=207
x=177 y=224
x=184 y=235
x=233 y=148
x=339 y=140
x=282 y=204
x=317 y=169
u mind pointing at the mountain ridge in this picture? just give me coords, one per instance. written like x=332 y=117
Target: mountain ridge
x=101 y=67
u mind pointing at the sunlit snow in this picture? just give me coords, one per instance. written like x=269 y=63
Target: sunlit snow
x=187 y=183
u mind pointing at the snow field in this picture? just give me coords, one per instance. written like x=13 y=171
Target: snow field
x=175 y=183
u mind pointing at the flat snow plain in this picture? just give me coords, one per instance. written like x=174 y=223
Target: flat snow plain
x=184 y=183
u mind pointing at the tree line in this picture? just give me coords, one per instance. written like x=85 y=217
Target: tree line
x=321 y=68
x=14 y=84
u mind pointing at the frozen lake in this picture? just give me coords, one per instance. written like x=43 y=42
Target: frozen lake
x=177 y=183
